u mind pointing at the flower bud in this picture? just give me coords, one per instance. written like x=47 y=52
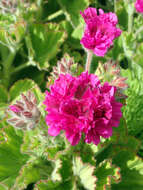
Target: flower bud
x=65 y=66
x=25 y=113
x=110 y=71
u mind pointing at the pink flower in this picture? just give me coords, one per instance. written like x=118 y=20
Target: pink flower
x=81 y=105
x=139 y=6
x=100 y=30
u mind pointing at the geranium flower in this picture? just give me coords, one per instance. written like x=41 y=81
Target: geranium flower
x=81 y=105
x=139 y=6
x=100 y=30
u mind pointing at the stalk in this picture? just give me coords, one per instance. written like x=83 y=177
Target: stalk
x=130 y=17
x=88 y=61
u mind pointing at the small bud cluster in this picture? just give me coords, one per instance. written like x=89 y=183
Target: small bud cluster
x=110 y=71
x=64 y=66
x=10 y=6
x=25 y=113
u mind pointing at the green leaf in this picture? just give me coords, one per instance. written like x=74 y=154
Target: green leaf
x=132 y=176
x=133 y=111
x=20 y=87
x=35 y=170
x=106 y=174
x=45 y=185
x=72 y=10
x=11 y=159
x=138 y=57
x=85 y=173
x=50 y=185
x=77 y=33
x=60 y=178
x=43 y=43
x=122 y=13
x=128 y=44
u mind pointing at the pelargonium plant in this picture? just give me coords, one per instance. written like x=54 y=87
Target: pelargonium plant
x=71 y=135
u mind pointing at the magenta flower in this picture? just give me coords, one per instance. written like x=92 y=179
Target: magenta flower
x=139 y=6
x=81 y=105
x=100 y=30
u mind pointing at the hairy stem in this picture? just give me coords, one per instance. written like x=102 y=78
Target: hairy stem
x=19 y=68
x=130 y=18
x=54 y=15
x=88 y=61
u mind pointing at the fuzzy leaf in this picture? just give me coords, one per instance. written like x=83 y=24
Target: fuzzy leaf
x=133 y=111
x=43 y=43
x=85 y=173
x=132 y=175
x=11 y=159
x=21 y=86
x=106 y=174
x=50 y=185
x=32 y=172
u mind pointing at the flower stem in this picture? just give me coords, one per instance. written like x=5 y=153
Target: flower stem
x=53 y=16
x=88 y=61
x=130 y=17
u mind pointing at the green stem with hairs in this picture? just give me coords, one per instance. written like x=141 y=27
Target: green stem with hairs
x=130 y=17
x=88 y=61
x=54 y=15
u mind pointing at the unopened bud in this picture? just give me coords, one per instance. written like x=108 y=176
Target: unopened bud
x=25 y=113
x=64 y=66
x=110 y=71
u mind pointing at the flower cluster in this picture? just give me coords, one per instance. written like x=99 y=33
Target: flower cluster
x=81 y=105
x=25 y=114
x=139 y=6
x=100 y=30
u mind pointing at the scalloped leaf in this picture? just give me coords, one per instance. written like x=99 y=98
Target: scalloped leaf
x=85 y=173
x=43 y=43
x=21 y=86
x=11 y=159
x=50 y=185
x=106 y=174
x=46 y=185
x=32 y=172
x=120 y=141
x=121 y=13
x=132 y=175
